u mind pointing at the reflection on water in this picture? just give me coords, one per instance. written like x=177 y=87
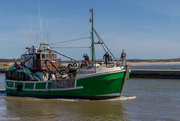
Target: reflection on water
x=33 y=109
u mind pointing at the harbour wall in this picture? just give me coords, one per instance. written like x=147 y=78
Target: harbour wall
x=159 y=74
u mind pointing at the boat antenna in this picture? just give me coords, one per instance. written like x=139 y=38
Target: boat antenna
x=47 y=33
x=40 y=21
x=30 y=34
x=92 y=36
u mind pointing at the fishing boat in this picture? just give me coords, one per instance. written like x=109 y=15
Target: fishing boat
x=40 y=75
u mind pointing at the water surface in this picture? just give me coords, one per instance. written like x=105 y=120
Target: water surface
x=160 y=66
x=143 y=99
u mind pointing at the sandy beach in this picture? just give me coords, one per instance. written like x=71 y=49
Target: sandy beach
x=5 y=64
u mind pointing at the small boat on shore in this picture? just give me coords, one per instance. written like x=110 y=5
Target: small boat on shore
x=40 y=75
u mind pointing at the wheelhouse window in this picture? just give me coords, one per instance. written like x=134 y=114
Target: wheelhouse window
x=50 y=56
x=43 y=56
x=55 y=56
x=38 y=56
x=47 y=56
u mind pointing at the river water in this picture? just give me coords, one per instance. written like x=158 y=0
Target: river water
x=144 y=100
x=160 y=66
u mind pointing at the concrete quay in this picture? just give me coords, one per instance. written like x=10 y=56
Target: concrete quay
x=155 y=73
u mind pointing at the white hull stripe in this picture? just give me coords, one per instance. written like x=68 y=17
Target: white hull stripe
x=72 y=88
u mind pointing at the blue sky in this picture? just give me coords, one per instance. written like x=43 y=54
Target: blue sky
x=146 y=29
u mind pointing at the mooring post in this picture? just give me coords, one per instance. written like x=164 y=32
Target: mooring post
x=125 y=78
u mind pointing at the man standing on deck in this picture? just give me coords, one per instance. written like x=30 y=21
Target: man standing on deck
x=106 y=57
x=86 y=57
x=123 y=58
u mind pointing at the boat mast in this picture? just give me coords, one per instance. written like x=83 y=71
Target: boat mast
x=47 y=34
x=92 y=36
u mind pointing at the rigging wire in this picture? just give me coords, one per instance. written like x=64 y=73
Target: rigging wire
x=103 y=47
x=86 y=33
x=103 y=43
x=70 y=47
x=69 y=40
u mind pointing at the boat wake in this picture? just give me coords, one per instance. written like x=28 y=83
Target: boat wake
x=3 y=95
x=112 y=99
x=2 y=92
x=121 y=98
x=2 y=89
x=73 y=100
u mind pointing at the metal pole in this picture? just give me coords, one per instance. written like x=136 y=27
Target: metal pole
x=61 y=54
x=92 y=36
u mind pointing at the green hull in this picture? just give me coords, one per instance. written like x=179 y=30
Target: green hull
x=94 y=87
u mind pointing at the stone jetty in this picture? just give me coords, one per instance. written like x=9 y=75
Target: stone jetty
x=155 y=73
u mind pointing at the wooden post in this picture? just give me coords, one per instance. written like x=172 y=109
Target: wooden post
x=125 y=78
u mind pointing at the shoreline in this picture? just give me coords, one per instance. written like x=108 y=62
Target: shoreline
x=3 y=65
